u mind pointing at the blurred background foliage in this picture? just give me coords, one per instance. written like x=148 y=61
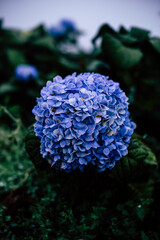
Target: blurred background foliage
x=118 y=204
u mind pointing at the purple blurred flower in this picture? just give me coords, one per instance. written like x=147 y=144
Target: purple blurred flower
x=24 y=72
x=83 y=120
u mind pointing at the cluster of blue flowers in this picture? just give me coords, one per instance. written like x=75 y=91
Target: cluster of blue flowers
x=64 y=27
x=24 y=72
x=83 y=120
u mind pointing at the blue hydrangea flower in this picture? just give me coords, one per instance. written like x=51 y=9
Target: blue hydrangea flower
x=64 y=27
x=24 y=72
x=83 y=120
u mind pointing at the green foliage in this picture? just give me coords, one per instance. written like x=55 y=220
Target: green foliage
x=15 y=57
x=138 y=161
x=102 y=208
x=14 y=161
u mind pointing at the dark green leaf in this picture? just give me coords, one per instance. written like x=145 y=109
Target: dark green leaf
x=15 y=57
x=138 y=150
x=138 y=159
x=144 y=236
x=45 y=42
x=33 y=148
x=120 y=56
x=69 y=64
x=95 y=65
x=127 y=39
x=103 y=30
x=35 y=33
x=156 y=43
x=7 y=88
x=122 y=30
x=12 y=37
x=140 y=34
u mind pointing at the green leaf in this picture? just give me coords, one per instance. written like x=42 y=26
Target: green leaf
x=155 y=42
x=35 y=33
x=120 y=56
x=12 y=38
x=94 y=65
x=45 y=42
x=32 y=144
x=122 y=30
x=15 y=57
x=69 y=64
x=138 y=150
x=144 y=236
x=105 y=28
x=127 y=39
x=139 y=158
x=140 y=34
x=7 y=88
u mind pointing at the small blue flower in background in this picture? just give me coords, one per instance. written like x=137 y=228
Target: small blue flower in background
x=69 y=25
x=24 y=72
x=83 y=120
x=57 y=31
x=64 y=27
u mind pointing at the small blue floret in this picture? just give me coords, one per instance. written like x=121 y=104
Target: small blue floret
x=83 y=120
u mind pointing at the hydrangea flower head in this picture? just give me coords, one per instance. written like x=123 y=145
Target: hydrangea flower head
x=24 y=72
x=83 y=120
